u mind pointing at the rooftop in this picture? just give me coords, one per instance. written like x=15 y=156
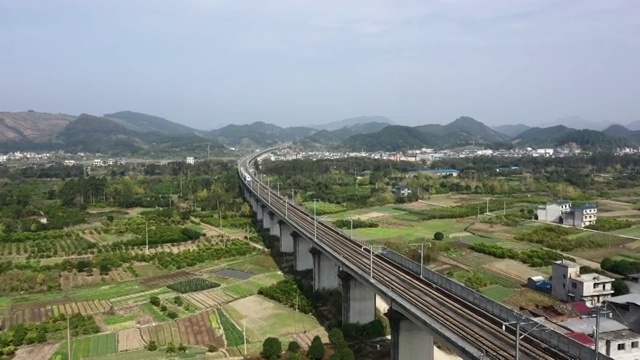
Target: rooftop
x=567 y=263
x=583 y=207
x=588 y=325
x=438 y=171
x=625 y=299
x=593 y=277
x=619 y=335
x=563 y=202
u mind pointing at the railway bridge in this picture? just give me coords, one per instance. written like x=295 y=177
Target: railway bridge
x=424 y=305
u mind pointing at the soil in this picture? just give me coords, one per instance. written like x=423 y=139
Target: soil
x=621 y=214
x=233 y=274
x=209 y=298
x=371 y=215
x=497 y=231
x=197 y=330
x=36 y=352
x=130 y=339
x=513 y=269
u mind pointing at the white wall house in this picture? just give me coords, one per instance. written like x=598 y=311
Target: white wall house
x=581 y=216
x=553 y=212
x=97 y=162
x=567 y=284
x=620 y=345
x=191 y=160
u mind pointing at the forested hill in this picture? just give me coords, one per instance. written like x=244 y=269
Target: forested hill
x=607 y=140
x=147 y=123
x=461 y=132
x=258 y=134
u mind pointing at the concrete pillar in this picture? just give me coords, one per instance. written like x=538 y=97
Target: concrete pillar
x=266 y=219
x=302 y=257
x=325 y=271
x=408 y=340
x=274 y=220
x=358 y=301
x=259 y=211
x=286 y=240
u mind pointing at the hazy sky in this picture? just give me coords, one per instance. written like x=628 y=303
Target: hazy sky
x=206 y=63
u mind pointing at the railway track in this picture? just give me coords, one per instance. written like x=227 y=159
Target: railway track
x=458 y=316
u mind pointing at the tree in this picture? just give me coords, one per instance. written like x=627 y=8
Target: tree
x=271 y=347
x=163 y=307
x=172 y=315
x=182 y=348
x=110 y=218
x=152 y=346
x=316 y=350
x=155 y=301
x=212 y=348
x=336 y=338
x=178 y=300
x=171 y=348
x=438 y=236
x=295 y=356
x=619 y=287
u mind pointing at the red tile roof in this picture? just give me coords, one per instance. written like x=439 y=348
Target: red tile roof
x=582 y=338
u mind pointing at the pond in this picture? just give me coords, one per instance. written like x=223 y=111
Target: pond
x=233 y=274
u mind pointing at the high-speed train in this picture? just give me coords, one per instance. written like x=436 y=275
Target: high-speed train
x=246 y=175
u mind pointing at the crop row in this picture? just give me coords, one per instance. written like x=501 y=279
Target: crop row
x=192 y=285
x=234 y=336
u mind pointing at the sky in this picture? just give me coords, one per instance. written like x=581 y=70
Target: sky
x=207 y=63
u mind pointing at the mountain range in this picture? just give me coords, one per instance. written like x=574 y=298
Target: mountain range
x=129 y=132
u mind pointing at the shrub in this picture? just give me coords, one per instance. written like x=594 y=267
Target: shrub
x=293 y=347
x=178 y=300
x=163 y=307
x=619 y=287
x=152 y=346
x=171 y=348
x=336 y=338
x=622 y=267
x=438 y=236
x=286 y=292
x=271 y=347
x=346 y=354
x=182 y=348
x=212 y=348
x=155 y=301
x=316 y=350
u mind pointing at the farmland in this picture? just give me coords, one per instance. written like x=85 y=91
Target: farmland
x=193 y=330
x=90 y=346
x=164 y=280
x=192 y=285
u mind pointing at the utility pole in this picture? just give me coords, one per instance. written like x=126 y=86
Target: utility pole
x=315 y=221
x=286 y=208
x=208 y=152
x=146 y=234
x=269 y=186
x=244 y=333
x=504 y=203
x=68 y=339
x=487 y=205
x=518 y=338
x=293 y=197
x=370 y=261
x=597 y=334
x=351 y=234
x=278 y=189
x=421 y=258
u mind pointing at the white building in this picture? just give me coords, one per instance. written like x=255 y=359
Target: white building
x=3 y=158
x=553 y=212
x=567 y=284
x=191 y=160
x=69 y=163
x=97 y=162
x=620 y=344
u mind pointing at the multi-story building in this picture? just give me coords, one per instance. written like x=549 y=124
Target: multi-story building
x=97 y=162
x=567 y=284
x=620 y=345
x=191 y=160
x=581 y=216
x=553 y=212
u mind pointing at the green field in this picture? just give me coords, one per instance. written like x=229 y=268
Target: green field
x=242 y=289
x=160 y=354
x=88 y=347
x=632 y=231
x=162 y=292
x=424 y=229
x=5 y=303
x=155 y=313
x=116 y=237
x=274 y=319
x=497 y=292
x=254 y=264
x=85 y=293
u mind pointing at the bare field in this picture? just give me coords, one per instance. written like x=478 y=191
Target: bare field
x=130 y=339
x=36 y=352
x=513 y=269
x=70 y=280
x=494 y=230
x=197 y=330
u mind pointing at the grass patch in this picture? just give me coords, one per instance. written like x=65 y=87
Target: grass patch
x=116 y=237
x=143 y=297
x=421 y=230
x=118 y=319
x=242 y=289
x=632 y=231
x=497 y=292
x=88 y=347
x=5 y=303
x=387 y=210
x=213 y=318
x=148 y=270
x=255 y=264
x=234 y=336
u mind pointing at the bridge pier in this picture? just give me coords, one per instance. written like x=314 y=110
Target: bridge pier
x=259 y=211
x=325 y=271
x=266 y=218
x=274 y=221
x=286 y=240
x=408 y=340
x=302 y=257
x=358 y=300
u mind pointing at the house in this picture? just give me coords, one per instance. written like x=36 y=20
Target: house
x=581 y=216
x=620 y=344
x=567 y=284
x=191 y=160
x=443 y=172
x=553 y=212
x=111 y=162
x=539 y=283
x=97 y=162
x=69 y=163
x=626 y=308
x=3 y=158
x=401 y=191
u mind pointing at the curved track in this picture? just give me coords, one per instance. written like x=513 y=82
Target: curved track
x=458 y=316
